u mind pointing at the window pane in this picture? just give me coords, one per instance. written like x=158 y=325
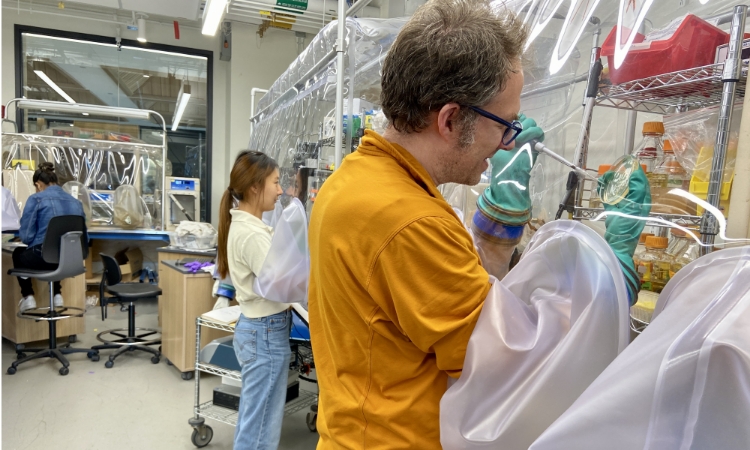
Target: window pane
x=71 y=70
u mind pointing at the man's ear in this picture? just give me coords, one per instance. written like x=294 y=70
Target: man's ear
x=447 y=122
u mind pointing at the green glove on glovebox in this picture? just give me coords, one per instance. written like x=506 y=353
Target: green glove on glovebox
x=505 y=206
x=530 y=131
x=623 y=233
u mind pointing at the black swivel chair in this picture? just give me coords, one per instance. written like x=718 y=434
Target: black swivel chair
x=124 y=293
x=64 y=245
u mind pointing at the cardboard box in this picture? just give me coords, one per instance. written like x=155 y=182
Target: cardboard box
x=131 y=263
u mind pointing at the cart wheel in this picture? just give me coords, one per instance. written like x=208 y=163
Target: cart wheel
x=202 y=436
x=11 y=370
x=20 y=355
x=155 y=359
x=187 y=376
x=312 y=421
x=72 y=339
x=20 y=347
x=64 y=371
x=109 y=364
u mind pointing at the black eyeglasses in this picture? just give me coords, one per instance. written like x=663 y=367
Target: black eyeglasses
x=512 y=130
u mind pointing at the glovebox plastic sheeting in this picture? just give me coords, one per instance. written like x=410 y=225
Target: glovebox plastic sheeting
x=546 y=331
x=100 y=166
x=685 y=382
x=286 y=270
x=11 y=214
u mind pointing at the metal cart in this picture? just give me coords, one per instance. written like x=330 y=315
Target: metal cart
x=203 y=433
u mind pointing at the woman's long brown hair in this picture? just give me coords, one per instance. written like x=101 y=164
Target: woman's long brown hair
x=250 y=170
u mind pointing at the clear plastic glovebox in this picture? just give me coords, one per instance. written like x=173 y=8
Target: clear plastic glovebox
x=99 y=166
x=285 y=273
x=295 y=123
x=295 y=119
x=684 y=383
x=539 y=342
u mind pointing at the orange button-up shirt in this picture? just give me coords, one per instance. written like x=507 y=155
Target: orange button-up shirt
x=396 y=289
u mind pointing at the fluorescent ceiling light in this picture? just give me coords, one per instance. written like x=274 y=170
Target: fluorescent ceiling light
x=85 y=114
x=76 y=108
x=182 y=55
x=54 y=86
x=182 y=100
x=68 y=39
x=142 y=30
x=212 y=15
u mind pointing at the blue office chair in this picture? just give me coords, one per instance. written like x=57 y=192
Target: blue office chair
x=64 y=245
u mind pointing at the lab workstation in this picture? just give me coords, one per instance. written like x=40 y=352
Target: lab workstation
x=375 y=224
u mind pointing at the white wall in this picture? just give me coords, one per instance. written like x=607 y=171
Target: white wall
x=255 y=63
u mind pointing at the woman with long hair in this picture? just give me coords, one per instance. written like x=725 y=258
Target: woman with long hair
x=261 y=337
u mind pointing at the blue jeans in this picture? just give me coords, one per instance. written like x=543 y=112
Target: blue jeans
x=262 y=348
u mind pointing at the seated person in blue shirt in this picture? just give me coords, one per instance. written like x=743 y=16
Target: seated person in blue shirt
x=48 y=202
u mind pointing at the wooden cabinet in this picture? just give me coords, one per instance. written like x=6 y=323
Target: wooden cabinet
x=21 y=331
x=184 y=297
x=168 y=254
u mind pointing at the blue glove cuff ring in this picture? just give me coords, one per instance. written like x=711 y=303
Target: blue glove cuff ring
x=225 y=290
x=494 y=231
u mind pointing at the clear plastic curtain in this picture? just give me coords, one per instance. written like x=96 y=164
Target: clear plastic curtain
x=683 y=384
x=539 y=342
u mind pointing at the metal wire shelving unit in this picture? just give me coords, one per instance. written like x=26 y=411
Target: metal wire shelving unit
x=583 y=213
x=672 y=92
x=717 y=84
x=202 y=433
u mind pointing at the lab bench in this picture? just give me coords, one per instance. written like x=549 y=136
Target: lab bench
x=22 y=331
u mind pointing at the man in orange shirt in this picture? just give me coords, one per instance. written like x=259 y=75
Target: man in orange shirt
x=396 y=286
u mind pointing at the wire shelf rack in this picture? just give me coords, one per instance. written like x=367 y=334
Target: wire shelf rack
x=218 y=413
x=304 y=401
x=684 y=220
x=229 y=416
x=637 y=325
x=220 y=371
x=671 y=92
x=215 y=325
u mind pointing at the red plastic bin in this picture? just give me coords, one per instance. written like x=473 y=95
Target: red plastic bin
x=692 y=45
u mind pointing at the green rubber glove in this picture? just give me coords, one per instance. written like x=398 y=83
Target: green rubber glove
x=507 y=200
x=623 y=233
x=530 y=131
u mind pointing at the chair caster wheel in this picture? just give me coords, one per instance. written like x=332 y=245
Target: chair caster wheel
x=64 y=371
x=109 y=364
x=11 y=370
x=155 y=359
x=20 y=355
x=72 y=339
x=187 y=376
x=169 y=363
x=93 y=356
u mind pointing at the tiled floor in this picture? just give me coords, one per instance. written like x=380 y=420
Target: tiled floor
x=134 y=405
